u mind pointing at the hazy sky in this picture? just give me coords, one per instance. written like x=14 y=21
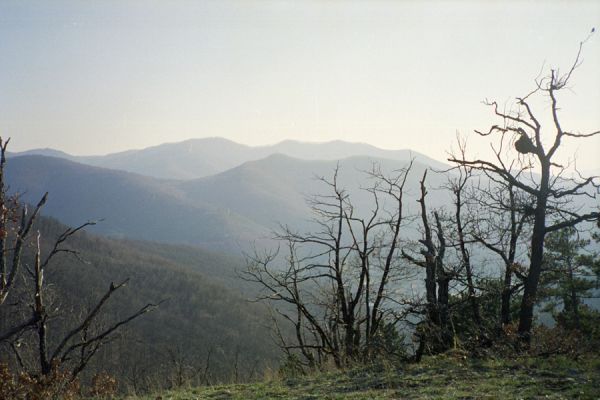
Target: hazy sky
x=97 y=77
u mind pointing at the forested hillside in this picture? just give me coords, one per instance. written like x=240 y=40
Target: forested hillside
x=204 y=330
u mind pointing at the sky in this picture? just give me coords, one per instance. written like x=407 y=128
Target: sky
x=99 y=77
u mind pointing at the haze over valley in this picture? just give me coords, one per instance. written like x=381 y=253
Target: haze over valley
x=241 y=203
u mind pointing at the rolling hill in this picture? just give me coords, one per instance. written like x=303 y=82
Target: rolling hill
x=131 y=205
x=274 y=190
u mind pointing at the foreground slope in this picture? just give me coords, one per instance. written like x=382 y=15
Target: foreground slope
x=435 y=378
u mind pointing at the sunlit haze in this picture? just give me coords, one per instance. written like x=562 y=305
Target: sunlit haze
x=100 y=77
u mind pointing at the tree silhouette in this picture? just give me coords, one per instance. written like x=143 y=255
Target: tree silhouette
x=535 y=171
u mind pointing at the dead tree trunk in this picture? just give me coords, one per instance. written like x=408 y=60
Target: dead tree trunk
x=436 y=331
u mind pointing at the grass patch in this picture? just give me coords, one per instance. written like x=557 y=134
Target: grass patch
x=442 y=377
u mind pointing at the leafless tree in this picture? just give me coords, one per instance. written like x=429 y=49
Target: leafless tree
x=80 y=343
x=459 y=183
x=15 y=227
x=534 y=170
x=335 y=279
x=503 y=215
x=435 y=331
x=489 y=214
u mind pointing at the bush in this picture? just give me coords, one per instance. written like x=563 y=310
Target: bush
x=56 y=385
x=103 y=386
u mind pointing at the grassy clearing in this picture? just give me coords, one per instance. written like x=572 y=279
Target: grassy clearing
x=435 y=378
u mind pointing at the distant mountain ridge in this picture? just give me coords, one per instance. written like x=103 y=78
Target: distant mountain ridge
x=44 y=152
x=225 y=212
x=198 y=158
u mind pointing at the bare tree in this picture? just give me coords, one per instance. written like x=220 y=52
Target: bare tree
x=394 y=188
x=336 y=278
x=435 y=330
x=491 y=213
x=546 y=182
x=81 y=342
x=502 y=222
x=17 y=220
x=463 y=221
